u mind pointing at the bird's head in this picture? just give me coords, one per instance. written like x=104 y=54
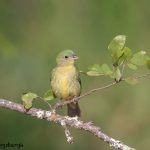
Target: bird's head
x=66 y=57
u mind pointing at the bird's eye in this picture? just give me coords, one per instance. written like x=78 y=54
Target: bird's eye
x=66 y=56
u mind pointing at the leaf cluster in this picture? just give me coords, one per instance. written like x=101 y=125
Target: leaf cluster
x=28 y=98
x=121 y=57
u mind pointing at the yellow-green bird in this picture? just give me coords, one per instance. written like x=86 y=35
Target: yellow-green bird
x=65 y=80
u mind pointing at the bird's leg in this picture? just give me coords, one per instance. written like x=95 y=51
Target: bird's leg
x=75 y=99
x=58 y=105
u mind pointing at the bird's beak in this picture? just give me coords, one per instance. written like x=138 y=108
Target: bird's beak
x=75 y=57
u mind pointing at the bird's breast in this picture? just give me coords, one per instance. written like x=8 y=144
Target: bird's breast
x=65 y=84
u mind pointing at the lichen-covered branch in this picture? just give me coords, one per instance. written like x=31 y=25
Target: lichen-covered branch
x=65 y=121
x=67 y=133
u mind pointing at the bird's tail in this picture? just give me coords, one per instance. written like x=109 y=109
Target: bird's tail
x=73 y=110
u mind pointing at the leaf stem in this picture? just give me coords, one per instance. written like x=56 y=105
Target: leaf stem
x=45 y=102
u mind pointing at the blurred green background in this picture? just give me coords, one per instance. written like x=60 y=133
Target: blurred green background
x=32 y=32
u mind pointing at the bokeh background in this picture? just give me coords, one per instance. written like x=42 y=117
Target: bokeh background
x=32 y=32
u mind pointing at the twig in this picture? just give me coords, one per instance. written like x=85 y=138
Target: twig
x=147 y=75
x=50 y=107
x=68 y=121
x=97 y=89
x=67 y=133
x=110 y=85
x=85 y=94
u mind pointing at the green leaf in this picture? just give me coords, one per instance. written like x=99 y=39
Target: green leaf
x=28 y=98
x=93 y=73
x=132 y=66
x=117 y=43
x=48 y=95
x=97 y=70
x=127 y=53
x=115 y=47
x=95 y=67
x=106 y=70
x=131 y=80
x=139 y=58
x=117 y=74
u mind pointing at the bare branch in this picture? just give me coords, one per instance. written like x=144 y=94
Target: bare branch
x=65 y=121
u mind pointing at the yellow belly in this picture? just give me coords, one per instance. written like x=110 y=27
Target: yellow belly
x=64 y=88
x=65 y=84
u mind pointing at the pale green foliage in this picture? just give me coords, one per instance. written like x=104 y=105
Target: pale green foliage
x=97 y=70
x=48 y=95
x=115 y=47
x=126 y=55
x=139 y=58
x=121 y=56
x=132 y=66
x=28 y=98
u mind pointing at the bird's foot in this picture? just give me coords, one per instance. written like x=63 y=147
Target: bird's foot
x=75 y=99
x=58 y=105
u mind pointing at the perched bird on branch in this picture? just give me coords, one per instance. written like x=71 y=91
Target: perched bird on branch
x=65 y=81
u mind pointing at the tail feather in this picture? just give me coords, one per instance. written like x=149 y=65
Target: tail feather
x=73 y=110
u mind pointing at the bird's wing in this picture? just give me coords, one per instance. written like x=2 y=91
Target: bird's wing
x=78 y=78
x=51 y=78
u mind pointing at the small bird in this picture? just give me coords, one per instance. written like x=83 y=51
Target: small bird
x=65 y=81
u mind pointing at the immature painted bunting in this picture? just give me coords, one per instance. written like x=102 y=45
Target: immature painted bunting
x=65 y=81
